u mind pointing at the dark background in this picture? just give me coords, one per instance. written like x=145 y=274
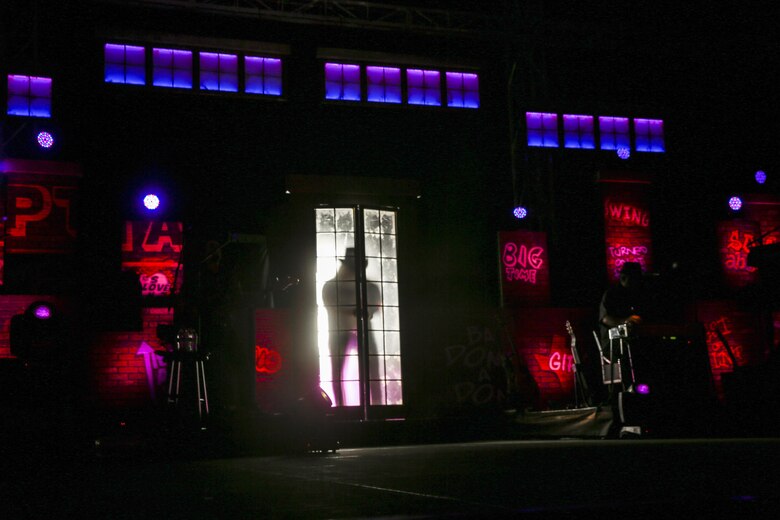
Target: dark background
x=704 y=69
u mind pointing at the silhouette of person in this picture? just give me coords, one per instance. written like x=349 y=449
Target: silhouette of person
x=624 y=303
x=340 y=296
x=220 y=304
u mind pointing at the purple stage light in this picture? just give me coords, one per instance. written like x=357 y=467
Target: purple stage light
x=151 y=202
x=735 y=203
x=45 y=139
x=42 y=311
x=760 y=176
x=623 y=153
x=643 y=389
x=520 y=212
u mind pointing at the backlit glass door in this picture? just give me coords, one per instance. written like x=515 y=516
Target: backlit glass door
x=359 y=333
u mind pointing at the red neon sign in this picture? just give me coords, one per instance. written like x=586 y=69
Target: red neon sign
x=267 y=361
x=627 y=231
x=525 y=272
x=736 y=238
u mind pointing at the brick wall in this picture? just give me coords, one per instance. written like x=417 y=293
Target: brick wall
x=123 y=371
x=627 y=228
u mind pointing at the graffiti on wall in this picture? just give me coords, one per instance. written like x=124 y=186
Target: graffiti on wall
x=477 y=367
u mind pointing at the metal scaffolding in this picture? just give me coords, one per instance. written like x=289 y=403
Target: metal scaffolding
x=343 y=13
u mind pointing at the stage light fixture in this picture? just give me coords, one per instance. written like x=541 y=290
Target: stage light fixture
x=35 y=334
x=760 y=176
x=642 y=388
x=735 y=203
x=44 y=139
x=520 y=212
x=151 y=202
x=623 y=152
x=42 y=311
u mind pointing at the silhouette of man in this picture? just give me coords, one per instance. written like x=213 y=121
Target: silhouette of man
x=341 y=298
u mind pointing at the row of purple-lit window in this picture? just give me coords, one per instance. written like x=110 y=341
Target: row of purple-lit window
x=172 y=68
x=29 y=96
x=383 y=85
x=579 y=132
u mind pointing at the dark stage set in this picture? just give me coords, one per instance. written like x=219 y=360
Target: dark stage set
x=306 y=225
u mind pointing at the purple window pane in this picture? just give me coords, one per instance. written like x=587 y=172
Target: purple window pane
x=40 y=87
x=182 y=78
x=384 y=84
x=209 y=71
x=342 y=82
x=578 y=131
x=18 y=106
x=18 y=85
x=254 y=66
x=431 y=78
x=40 y=107
x=471 y=82
x=352 y=73
x=332 y=90
x=273 y=67
x=423 y=87
x=273 y=86
x=209 y=80
x=29 y=96
x=182 y=60
x=614 y=133
x=209 y=61
x=542 y=129
x=649 y=135
x=263 y=76
x=228 y=82
x=333 y=72
x=135 y=55
x=462 y=90
x=162 y=58
x=228 y=72
x=135 y=76
x=114 y=73
x=113 y=53
x=172 y=68
x=124 y=64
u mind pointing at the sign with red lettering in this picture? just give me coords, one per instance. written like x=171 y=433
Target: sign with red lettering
x=627 y=230
x=740 y=330
x=735 y=238
x=152 y=249
x=39 y=203
x=525 y=271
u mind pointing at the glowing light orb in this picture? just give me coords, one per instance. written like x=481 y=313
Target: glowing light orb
x=151 y=202
x=643 y=389
x=623 y=152
x=760 y=176
x=42 y=312
x=45 y=140
x=735 y=203
x=520 y=212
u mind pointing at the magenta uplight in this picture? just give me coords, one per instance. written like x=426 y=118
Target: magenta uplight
x=760 y=176
x=151 y=202
x=735 y=203
x=643 y=389
x=42 y=312
x=45 y=139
